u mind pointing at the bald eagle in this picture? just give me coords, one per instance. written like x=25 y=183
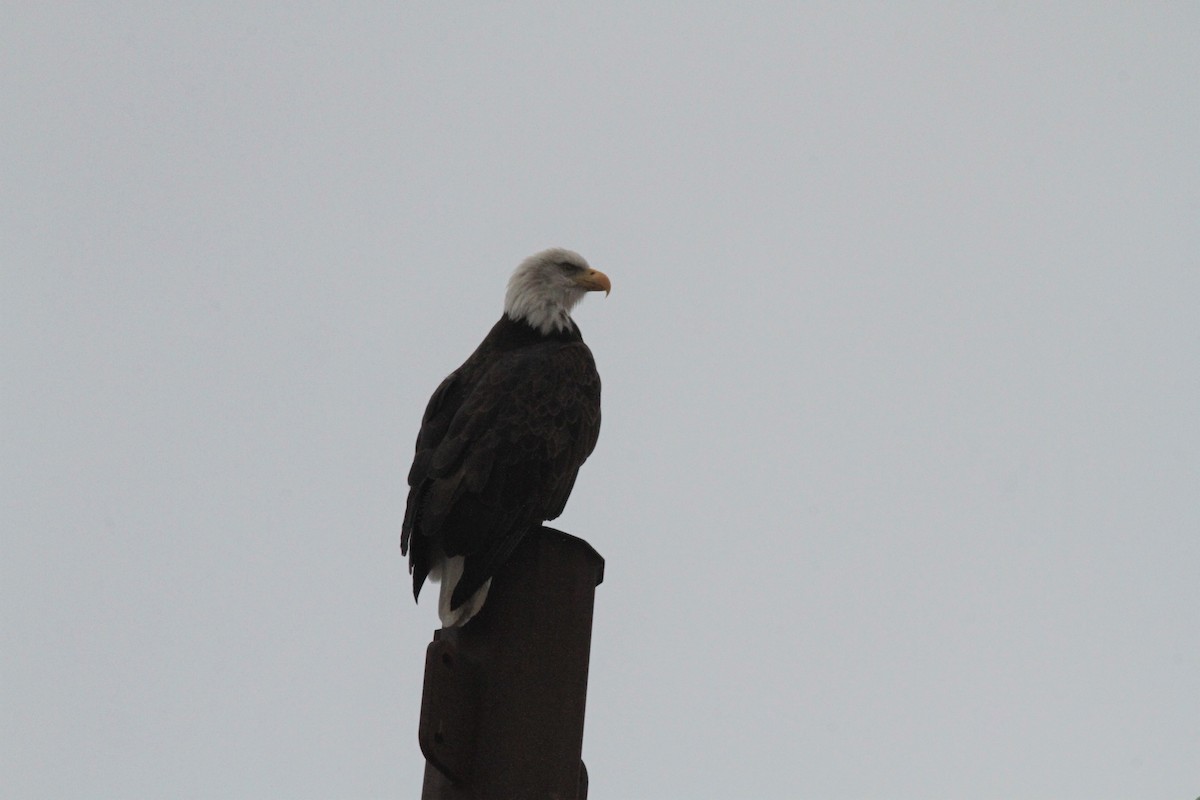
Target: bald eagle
x=503 y=436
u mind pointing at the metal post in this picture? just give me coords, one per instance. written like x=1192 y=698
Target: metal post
x=503 y=704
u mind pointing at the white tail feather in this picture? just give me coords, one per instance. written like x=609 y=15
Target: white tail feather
x=448 y=572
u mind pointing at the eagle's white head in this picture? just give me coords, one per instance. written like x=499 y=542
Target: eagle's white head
x=547 y=285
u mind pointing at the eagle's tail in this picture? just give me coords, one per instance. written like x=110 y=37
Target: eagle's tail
x=448 y=572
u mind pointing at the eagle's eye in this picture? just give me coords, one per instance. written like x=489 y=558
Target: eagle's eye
x=569 y=267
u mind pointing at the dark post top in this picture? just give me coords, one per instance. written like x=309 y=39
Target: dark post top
x=503 y=705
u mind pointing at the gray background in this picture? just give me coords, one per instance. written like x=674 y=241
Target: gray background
x=898 y=483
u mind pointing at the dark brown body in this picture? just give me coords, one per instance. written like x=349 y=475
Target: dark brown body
x=500 y=445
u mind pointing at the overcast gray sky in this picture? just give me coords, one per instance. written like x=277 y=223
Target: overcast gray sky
x=899 y=479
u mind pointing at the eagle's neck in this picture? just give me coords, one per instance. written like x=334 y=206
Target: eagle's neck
x=546 y=319
x=511 y=333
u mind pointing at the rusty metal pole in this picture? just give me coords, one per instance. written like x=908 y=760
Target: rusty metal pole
x=503 y=704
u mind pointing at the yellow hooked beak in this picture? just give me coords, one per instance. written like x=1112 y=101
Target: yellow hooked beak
x=595 y=281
